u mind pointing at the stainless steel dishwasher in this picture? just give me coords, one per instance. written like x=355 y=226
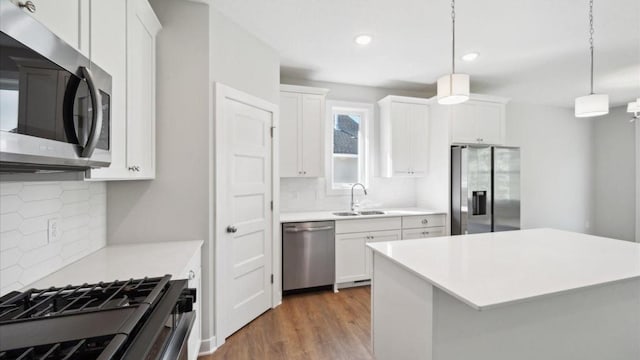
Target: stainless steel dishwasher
x=308 y=255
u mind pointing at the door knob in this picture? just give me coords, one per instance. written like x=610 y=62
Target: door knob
x=231 y=229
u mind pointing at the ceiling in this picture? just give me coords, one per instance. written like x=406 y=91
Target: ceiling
x=533 y=51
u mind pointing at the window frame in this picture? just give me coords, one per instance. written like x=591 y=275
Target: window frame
x=366 y=112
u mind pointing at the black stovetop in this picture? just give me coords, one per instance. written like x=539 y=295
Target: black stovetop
x=90 y=321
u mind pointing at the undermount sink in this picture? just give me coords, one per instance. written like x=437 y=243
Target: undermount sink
x=372 y=212
x=361 y=213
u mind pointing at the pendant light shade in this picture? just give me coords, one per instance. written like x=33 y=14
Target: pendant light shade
x=634 y=107
x=453 y=89
x=592 y=105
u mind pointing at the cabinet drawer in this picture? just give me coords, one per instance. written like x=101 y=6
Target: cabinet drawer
x=368 y=225
x=423 y=233
x=423 y=221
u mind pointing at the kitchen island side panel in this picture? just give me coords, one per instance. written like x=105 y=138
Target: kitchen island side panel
x=596 y=323
x=401 y=313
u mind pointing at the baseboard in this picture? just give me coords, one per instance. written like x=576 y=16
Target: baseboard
x=208 y=346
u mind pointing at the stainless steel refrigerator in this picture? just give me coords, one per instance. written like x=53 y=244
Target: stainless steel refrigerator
x=485 y=189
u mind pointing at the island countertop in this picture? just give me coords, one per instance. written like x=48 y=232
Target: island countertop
x=494 y=269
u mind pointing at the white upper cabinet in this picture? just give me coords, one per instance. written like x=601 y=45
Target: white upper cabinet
x=481 y=120
x=109 y=42
x=142 y=28
x=68 y=19
x=123 y=41
x=302 y=114
x=404 y=134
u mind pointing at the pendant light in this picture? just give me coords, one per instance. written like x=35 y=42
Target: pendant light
x=453 y=88
x=592 y=104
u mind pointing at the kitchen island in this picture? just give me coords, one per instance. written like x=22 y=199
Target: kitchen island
x=530 y=294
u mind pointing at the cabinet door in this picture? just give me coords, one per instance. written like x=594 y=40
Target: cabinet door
x=290 y=111
x=463 y=127
x=400 y=135
x=312 y=130
x=351 y=257
x=109 y=42
x=422 y=233
x=490 y=123
x=379 y=236
x=68 y=19
x=142 y=27
x=418 y=138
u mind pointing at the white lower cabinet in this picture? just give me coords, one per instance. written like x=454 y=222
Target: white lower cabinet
x=193 y=273
x=423 y=226
x=423 y=233
x=351 y=257
x=354 y=258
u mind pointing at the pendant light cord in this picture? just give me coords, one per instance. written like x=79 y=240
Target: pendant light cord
x=591 y=39
x=453 y=37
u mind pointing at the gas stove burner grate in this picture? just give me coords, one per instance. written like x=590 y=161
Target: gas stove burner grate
x=94 y=348
x=57 y=301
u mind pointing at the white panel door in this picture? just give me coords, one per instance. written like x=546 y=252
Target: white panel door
x=419 y=139
x=290 y=111
x=311 y=139
x=400 y=135
x=379 y=236
x=351 y=262
x=142 y=27
x=463 y=126
x=489 y=123
x=247 y=215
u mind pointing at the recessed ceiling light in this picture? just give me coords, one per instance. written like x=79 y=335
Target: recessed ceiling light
x=363 y=39
x=470 y=56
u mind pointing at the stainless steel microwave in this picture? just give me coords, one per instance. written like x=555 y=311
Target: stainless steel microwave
x=55 y=104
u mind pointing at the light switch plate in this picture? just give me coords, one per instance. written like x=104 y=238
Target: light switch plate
x=53 y=233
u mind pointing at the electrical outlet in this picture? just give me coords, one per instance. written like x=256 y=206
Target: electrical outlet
x=53 y=233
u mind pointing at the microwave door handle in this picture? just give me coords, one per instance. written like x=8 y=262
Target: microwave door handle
x=96 y=123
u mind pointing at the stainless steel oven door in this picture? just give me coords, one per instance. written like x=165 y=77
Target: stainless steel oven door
x=177 y=348
x=54 y=103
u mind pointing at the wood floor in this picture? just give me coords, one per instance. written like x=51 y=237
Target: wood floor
x=319 y=325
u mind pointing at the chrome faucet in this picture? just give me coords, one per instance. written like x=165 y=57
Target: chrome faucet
x=353 y=204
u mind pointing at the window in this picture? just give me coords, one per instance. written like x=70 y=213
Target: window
x=347 y=162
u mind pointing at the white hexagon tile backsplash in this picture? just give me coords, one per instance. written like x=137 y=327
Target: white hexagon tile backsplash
x=27 y=251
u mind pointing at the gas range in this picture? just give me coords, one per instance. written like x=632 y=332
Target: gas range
x=148 y=318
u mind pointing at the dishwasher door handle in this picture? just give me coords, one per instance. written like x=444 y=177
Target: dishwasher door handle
x=297 y=230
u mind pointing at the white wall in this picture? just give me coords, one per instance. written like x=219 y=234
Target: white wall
x=615 y=180
x=557 y=167
x=26 y=255
x=311 y=194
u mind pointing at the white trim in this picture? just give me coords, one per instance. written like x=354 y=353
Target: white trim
x=303 y=89
x=221 y=92
x=367 y=111
x=208 y=346
x=637 y=123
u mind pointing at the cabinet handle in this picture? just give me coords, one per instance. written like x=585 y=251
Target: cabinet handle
x=425 y=233
x=29 y=5
x=425 y=221
x=192 y=275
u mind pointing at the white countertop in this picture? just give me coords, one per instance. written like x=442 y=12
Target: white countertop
x=120 y=262
x=493 y=269
x=327 y=215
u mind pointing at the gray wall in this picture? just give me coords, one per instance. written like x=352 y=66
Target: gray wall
x=615 y=159
x=557 y=166
x=242 y=61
